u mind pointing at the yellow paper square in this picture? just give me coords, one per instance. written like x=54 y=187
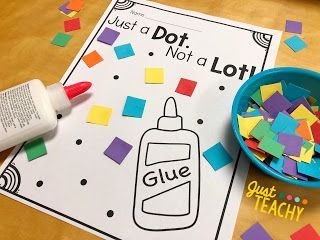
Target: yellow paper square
x=315 y=108
x=247 y=124
x=99 y=115
x=259 y=155
x=302 y=112
x=305 y=156
x=250 y=109
x=154 y=75
x=268 y=90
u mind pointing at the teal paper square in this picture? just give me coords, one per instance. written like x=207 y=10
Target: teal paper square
x=124 y=51
x=217 y=156
x=295 y=43
x=134 y=107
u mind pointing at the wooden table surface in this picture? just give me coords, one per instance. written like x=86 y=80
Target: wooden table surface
x=26 y=29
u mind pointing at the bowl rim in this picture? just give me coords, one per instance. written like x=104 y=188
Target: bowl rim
x=265 y=168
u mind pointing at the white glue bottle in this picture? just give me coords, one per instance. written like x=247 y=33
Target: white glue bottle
x=30 y=109
x=167 y=188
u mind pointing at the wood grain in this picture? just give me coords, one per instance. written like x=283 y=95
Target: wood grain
x=26 y=29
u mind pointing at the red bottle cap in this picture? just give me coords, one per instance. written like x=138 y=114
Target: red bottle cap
x=77 y=89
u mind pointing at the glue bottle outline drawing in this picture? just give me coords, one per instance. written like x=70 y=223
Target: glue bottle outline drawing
x=167 y=186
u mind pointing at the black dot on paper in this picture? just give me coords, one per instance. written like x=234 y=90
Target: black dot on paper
x=222 y=88
x=39 y=183
x=110 y=213
x=115 y=77
x=59 y=116
x=187 y=46
x=83 y=182
x=79 y=141
x=150 y=54
x=199 y=121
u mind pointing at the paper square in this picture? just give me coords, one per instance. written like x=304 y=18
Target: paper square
x=256 y=232
x=275 y=104
x=292 y=144
x=290 y=167
x=154 y=75
x=277 y=164
x=61 y=39
x=99 y=115
x=64 y=10
x=217 y=156
x=295 y=43
x=35 y=149
x=108 y=36
x=302 y=112
x=75 y=5
x=306 y=233
x=186 y=87
x=72 y=24
x=294 y=92
x=134 y=107
x=268 y=90
x=92 y=58
x=293 y=26
x=311 y=169
x=118 y=150
x=124 y=51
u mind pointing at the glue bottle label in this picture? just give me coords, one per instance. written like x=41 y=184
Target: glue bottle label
x=167 y=185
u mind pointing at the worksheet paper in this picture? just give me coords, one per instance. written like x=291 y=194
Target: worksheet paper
x=135 y=199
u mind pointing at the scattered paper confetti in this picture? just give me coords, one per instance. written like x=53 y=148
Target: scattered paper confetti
x=72 y=25
x=124 y=51
x=64 y=10
x=154 y=75
x=256 y=232
x=217 y=156
x=118 y=150
x=99 y=115
x=61 y=39
x=293 y=27
x=134 y=107
x=186 y=87
x=108 y=36
x=75 y=5
x=35 y=149
x=295 y=43
x=306 y=233
x=92 y=58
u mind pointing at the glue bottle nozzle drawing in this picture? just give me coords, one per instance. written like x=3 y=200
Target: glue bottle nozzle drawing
x=167 y=188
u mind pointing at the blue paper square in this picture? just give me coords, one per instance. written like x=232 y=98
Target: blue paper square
x=294 y=92
x=134 y=107
x=317 y=148
x=295 y=43
x=277 y=164
x=124 y=51
x=217 y=156
x=311 y=169
x=284 y=123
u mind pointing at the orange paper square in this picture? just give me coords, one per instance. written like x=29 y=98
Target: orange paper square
x=92 y=58
x=303 y=130
x=75 y=5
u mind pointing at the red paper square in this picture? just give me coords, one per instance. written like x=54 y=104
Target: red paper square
x=318 y=114
x=305 y=233
x=315 y=128
x=186 y=87
x=253 y=145
x=72 y=24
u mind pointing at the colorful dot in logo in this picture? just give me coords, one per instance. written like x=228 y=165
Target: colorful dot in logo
x=289 y=197
x=297 y=199
x=304 y=201
x=282 y=195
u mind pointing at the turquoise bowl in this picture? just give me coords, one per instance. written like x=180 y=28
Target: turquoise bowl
x=298 y=76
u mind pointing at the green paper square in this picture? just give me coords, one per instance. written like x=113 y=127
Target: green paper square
x=272 y=147
x=307 y=145
x=61 y=39
x=257 y=97
x=35 y=149
x=262 y=129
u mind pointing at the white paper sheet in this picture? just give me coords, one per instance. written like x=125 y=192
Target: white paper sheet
x=200 y=203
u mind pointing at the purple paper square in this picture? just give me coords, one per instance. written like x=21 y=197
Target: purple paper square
x=293 y=26
x=275 y=104
x=118 y=150
x=265 y=114
x=108 y=36
x=256 y=232
x=64 y=9
x=298 y=102
x=292 y=144
x=290 y=168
